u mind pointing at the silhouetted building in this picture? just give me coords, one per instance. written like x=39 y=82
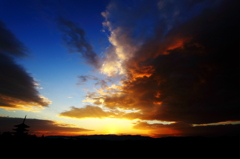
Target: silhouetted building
x=21 y=129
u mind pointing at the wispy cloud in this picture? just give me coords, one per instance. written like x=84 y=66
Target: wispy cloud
x=76 y=42
x=85 y=78
x=185 y=129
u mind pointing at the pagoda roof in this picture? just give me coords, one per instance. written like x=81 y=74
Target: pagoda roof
x=22 y=125
x=21 y=129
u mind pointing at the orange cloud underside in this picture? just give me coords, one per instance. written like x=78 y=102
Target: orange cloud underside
x=177 y=44
x=56 y=133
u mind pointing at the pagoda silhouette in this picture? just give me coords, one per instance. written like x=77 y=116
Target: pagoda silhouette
x=20 y=129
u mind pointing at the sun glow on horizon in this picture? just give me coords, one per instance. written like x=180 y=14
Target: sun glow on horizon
x=111 y=126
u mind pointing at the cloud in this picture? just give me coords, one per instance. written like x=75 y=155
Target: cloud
x=133 y=24
x=102 y=84
x=75 y=40
x=85 y=78
x=179 y=65
x=184 y=129
x=97 y=112
x=9 y=44
x=123 y=45
x=40 y=127
x=86 y=112
x=17 y=87
x=188 y=73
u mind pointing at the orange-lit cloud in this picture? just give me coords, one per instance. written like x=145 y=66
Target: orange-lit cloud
x=161 y=129
x=97 y=112
x=15 y=103
x=87 y=112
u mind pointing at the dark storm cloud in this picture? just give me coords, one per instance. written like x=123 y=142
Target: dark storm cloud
x=199 y=80
x=189 y=74
x=75 y=40
x=17 y=87
x=39 y=126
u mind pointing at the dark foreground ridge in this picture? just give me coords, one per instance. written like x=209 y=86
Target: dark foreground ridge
x=126 y=146
x=105 y=137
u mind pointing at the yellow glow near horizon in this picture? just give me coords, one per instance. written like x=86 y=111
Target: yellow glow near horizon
x=112 y=130
x=110 y=126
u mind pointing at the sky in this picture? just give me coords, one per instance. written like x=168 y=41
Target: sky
x=155 y=68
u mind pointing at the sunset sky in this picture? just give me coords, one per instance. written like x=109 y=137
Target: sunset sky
x=143 y=67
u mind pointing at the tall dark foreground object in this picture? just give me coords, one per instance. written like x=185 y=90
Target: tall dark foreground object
x=21 y=128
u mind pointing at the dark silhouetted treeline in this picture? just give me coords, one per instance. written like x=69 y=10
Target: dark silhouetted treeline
x=125 y=146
